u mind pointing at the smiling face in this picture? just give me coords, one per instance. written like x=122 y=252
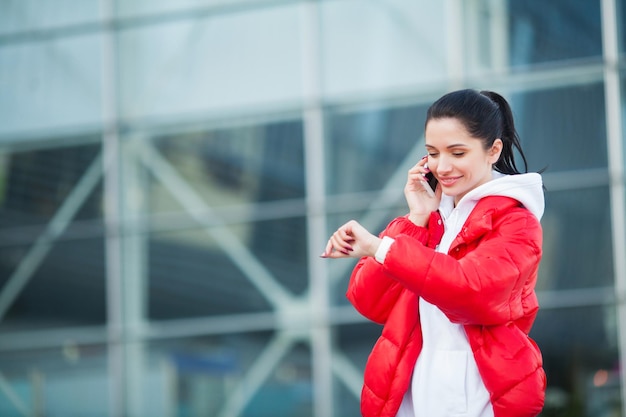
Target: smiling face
x=459 y=161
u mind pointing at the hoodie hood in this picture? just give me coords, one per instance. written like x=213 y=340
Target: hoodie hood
x=525 y=188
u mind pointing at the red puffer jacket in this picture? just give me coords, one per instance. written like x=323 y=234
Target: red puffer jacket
x=485 y=283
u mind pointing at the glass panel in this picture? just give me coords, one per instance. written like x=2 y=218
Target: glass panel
x=51 y=245
x=207 y=376
x=205 y=180
x=577 y=240
x=288 y=390
x=621 y=27
x=50 y=84
x=35 y=184
x=226 y=270
x=390 y=45
x=355 y=342
x=192 y=274
x=216 y=63
x=184 y=377
x=582 y=366
x=623 y=111
x=282 y=247
x=347 y=404
x=543 y=31
x=65 y=288
x=227 y=168
x=562 y=129
x=208 y=179
x=71 y=380
x=27 y=15
x=366 y=148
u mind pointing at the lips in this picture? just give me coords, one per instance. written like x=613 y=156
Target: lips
x=448 y=181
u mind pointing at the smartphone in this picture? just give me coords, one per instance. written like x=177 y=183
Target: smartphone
x=432 y=181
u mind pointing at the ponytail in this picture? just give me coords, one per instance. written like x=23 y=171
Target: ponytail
x=510 y=138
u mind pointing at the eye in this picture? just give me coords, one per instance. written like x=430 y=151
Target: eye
x=458 y=153
x=432 y=154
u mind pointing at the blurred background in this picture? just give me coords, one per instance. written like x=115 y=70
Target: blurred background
x=171 y=170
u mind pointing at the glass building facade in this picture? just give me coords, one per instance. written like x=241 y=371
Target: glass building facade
x=170 y=172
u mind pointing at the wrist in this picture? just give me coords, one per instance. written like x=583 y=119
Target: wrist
x=419 y=219
x=373 y=246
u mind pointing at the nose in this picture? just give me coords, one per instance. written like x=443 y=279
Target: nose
x=444 y=165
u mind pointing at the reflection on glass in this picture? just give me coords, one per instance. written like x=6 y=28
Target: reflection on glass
x=208 y=376
x=366 y=148
x=65 y=288
x=237 y=166
x=220 y=60
x=562 y=128
x=550 y=31
x=190 y=275
x=51 y=245
x=377 y=46
x=69 y=380
x=582 y=366
x=27 y=15
x=34 y=184
x=577 y=240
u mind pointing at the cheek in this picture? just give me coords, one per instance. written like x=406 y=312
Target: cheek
x=432 y=165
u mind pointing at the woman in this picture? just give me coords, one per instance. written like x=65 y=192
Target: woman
x=453 y=280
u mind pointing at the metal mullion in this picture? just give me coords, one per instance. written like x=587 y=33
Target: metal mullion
x=613 y=104
x=320 y=336
x=455 y=51
x=117 y=387
x=111 y=22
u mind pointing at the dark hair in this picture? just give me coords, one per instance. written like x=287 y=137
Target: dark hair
x=486 y=116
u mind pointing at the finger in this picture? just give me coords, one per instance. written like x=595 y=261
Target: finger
x=340 y=244
x=334 y=253
x=344 y=235
x=327 y=250
x=415 y=179
x=413 y=172
x=346 y=238
x=421 y=167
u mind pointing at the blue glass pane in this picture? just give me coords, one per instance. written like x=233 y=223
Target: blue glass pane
x=582 y=366
x=562 y=129
x=577 y=240
x=547 y=31
x=366 y=148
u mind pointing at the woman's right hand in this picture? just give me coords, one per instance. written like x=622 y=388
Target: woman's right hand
x=420 y=201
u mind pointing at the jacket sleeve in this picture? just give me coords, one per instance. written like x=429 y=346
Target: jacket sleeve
x=373 y=292
x=486 y=285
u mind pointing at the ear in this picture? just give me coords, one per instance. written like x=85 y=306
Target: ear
x=495 y=151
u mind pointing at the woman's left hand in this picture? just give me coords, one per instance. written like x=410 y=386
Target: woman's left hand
x=351 y=241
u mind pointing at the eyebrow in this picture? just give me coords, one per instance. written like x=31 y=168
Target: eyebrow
x=454 y=145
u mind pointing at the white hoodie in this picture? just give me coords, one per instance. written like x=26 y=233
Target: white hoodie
x=445 y=377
